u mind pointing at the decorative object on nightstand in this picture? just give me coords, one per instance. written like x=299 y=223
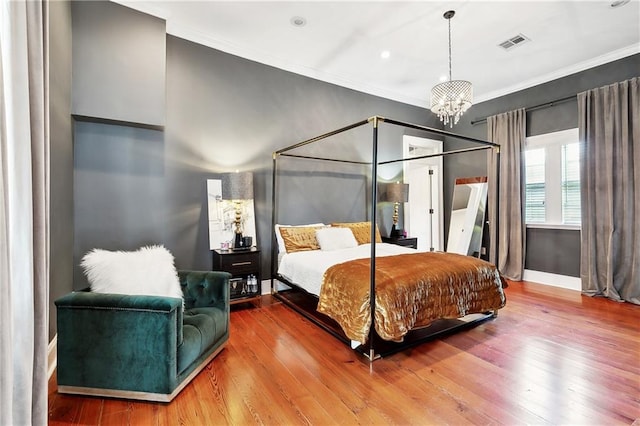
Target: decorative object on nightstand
x=402 y=241
x=238 y=187
x=244 y=267
x=395 y=193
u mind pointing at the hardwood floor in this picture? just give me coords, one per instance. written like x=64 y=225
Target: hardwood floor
x=552 y=356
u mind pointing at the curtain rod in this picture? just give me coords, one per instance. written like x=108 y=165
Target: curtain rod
x=533 y=108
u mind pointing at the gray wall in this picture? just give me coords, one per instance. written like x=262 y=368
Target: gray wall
x=61 y=155
x=120 y=189
x=548 y=251
x=564 y=243
x=136 y=186
x=118 y=64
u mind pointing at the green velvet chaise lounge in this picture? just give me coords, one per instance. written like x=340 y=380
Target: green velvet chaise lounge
x=141 y=347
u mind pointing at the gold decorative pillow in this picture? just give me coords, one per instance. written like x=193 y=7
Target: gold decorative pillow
x=298 y=238
x=281 y=247
x=361 y=230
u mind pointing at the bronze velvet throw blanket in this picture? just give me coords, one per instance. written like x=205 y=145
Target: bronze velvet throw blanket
x=412 y=290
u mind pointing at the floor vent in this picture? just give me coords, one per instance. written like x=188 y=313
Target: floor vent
x=514 y=41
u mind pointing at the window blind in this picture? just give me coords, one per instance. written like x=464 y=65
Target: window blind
x=535 y=191
x=571 y=183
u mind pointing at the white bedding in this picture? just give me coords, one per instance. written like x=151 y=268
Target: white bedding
x=306 y=268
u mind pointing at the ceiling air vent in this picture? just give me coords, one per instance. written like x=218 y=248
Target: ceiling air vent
x=513 y=42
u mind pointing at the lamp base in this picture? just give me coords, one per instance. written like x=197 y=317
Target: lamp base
x=237 y=243
x=396 y=233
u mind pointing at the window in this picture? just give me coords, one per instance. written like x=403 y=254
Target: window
x=535 y=190
x=552 y=179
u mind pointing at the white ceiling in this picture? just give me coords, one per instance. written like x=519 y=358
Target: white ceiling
x=342 y=41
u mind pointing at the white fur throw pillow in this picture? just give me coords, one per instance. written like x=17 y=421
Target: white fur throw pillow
x=146 y=271
x=335 y=238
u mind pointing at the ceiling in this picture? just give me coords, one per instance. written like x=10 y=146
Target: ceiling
x=341 y=42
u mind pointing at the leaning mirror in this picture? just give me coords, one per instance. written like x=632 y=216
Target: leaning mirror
x=467 y=216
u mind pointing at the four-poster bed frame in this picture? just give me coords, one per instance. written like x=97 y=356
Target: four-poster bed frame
x=303 y=302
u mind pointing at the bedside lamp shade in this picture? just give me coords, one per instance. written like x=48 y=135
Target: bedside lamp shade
x=238 y=187
x=396 y=192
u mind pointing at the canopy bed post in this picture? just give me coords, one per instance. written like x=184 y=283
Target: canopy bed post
x=374 y=213
x=274 y=241
x=496 y=203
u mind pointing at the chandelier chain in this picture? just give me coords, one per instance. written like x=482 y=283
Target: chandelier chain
x=450 y=75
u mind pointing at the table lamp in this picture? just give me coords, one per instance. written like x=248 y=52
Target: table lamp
x=396 y=193
x=237 y=187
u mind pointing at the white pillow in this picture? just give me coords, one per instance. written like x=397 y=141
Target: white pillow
x=335 y=238
x=281 y=246
x=147 y=271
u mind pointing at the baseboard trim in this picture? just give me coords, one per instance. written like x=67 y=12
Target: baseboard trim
x=52 y=356
x=108 y=393
x=554 y=280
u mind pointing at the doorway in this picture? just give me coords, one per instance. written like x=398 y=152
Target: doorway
x=424 y=216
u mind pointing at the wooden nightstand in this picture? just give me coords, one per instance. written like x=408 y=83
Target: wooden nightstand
x=405 y=242
x=244 y=267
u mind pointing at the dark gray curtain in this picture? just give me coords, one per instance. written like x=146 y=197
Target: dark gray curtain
x=24 y=213
x=609 y=123
x=509 y=131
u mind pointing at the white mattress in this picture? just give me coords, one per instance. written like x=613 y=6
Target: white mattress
x=306 y=268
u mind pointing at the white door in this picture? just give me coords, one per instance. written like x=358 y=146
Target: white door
x=424 y=177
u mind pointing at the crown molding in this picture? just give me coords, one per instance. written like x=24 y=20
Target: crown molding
x=563 y=72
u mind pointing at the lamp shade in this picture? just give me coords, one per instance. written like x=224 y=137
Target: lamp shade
x=237 y=186
x=451 y=99
x=396 y=192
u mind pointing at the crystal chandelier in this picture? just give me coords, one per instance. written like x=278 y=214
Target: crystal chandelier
x=449 y=100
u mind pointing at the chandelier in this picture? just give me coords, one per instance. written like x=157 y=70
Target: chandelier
x=449 y=100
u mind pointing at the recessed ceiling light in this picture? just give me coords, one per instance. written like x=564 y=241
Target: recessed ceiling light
x=298 y=21
x=618 y=3
x=385 y=54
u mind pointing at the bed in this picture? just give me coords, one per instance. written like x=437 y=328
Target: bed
x=379 y=298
